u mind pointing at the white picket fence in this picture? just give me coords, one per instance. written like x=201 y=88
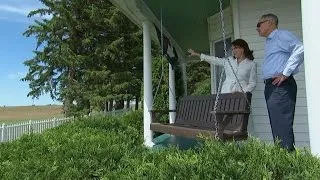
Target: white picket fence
x=9 y=132
x=13 y=131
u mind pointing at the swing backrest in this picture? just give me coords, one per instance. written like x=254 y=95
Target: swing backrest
x=196 y=111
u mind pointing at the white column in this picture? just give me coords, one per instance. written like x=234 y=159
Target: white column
x=311 y=29
x=184 y=78
x=172 y=95
x=147 y=84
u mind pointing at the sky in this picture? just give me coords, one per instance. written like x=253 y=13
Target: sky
x=14 y=50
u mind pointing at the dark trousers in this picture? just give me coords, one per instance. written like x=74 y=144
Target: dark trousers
x=281 y=102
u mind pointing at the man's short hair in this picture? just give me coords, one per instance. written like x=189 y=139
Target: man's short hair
x=272 y=17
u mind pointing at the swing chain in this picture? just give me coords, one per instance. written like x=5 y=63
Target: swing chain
x=223 y=70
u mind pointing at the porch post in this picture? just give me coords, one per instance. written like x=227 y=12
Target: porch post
x=147 y=84
x=184 y=78
x=310 y=14
x=172 y=95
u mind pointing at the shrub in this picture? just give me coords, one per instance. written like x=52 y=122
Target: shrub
x=111 y=148
x=202 y=88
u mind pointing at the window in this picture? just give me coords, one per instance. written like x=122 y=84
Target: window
x=218 y=51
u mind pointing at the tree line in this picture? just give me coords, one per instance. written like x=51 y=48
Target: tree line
x=88 y=55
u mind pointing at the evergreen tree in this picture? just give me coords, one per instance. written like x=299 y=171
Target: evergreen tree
x=85 y=54
x=198 y=74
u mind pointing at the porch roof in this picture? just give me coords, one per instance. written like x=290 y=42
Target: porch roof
x=184 y=22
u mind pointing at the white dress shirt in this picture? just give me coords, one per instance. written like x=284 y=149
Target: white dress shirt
x=246 y=71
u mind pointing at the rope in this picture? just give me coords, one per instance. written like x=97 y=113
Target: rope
x=162 y=67
x=162 y=63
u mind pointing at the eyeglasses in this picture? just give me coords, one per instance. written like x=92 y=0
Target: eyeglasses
x=259 y=23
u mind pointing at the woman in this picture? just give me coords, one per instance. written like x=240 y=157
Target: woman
x=242 y=63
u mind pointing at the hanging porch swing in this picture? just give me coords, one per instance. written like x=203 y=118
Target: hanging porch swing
x=221 y=116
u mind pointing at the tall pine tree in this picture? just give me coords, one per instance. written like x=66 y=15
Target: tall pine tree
x=87 y=54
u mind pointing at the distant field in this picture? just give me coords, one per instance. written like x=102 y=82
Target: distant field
x=23 y=113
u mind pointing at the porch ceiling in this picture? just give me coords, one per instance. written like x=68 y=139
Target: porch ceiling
x=186 y=20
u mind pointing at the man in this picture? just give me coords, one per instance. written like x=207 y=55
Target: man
x=283 y=55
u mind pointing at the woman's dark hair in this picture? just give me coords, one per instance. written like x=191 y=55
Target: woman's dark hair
x=243 y=44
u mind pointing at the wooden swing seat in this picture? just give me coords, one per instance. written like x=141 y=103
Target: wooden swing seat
x=194 y=117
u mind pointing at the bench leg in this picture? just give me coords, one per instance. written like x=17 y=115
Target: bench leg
x=222 y=122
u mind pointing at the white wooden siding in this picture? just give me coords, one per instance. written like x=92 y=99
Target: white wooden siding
x=289 y=14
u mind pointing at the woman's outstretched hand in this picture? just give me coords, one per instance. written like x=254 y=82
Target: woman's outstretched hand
x=193 y=53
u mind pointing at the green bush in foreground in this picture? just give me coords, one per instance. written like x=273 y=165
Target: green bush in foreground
x=111 y=148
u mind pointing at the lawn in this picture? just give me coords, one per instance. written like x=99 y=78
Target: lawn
x=13 y=114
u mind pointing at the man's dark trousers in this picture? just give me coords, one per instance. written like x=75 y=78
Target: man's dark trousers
x=281 y=102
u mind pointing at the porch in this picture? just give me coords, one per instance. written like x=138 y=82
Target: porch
x=196 y=24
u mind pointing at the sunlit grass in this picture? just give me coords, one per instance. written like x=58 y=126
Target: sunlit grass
x=14 y=114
